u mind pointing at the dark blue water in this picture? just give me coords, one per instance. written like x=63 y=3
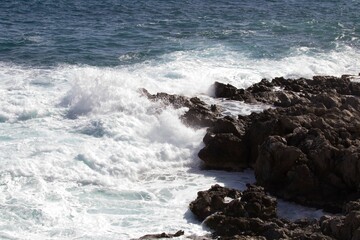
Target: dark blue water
x=114 y=32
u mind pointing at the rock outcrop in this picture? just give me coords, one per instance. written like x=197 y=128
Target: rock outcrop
x=224 y=145
x=199 y=114
x=161 y=235
x=305 y=149
x=345 y=227
x=250 y=214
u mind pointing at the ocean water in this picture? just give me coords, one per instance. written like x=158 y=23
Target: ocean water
x=84 y=156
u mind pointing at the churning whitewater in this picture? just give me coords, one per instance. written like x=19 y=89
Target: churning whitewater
x=85 y=156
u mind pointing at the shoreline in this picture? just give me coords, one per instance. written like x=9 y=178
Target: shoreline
x=304 y=149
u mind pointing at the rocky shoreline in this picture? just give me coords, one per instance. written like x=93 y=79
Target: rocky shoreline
x=304 y=149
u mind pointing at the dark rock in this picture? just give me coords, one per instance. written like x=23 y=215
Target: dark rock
x=225 y=148
x=161 y=235
x=239 y=237
x=228 y=125
x=250 y=216
x=224 y=151
x=343 y=227
x=199 y=114
x=224 y=91
x=230 y=92
x=253 y=202
x=306 y=149
x=212 y=200
x=176 y=101
x=195 y=237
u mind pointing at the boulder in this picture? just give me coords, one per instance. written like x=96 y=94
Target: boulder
x=224 y=146
x=212 y=200
x=224 y=151
x=250 y=215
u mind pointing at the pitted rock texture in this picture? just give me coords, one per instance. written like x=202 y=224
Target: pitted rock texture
x=250 y=214
x=305 y=149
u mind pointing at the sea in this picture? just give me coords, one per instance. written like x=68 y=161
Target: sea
x=83 y=155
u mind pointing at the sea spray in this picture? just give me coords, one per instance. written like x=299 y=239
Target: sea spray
x=85 y=155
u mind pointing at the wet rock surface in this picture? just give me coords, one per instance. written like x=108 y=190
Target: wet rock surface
x=305 y=149
x=224 y=145
x=211 y=201
x=199 y=114
x=250 y=214
x=162 y=235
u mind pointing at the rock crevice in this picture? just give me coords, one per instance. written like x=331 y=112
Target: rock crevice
x=305 y=149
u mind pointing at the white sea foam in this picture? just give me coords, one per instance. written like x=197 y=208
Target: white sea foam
x=85 y=156
x=234 y=108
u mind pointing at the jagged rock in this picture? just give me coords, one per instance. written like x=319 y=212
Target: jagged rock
x=162 y=235
x=343 y=227
x=275 y=160
x=250 y=216
x=199 y=114
x=195 y=237
x=225 y=148
x=225 y=90
x=230 y=92
x=212 y=200
x=306 y=149
x=228 y=125
x=224 y=151
x=239 y=237
x=230 y=226
x=176 y=101
x=253 y=202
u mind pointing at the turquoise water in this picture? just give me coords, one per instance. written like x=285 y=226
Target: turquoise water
x=84 y=156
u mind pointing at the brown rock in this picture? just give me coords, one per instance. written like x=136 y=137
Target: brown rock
x=343 y=227
x=224 y=151
x=211 y=201
x=161 y=235
x=199 y=114
x=307 y=149
x=252 y=216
